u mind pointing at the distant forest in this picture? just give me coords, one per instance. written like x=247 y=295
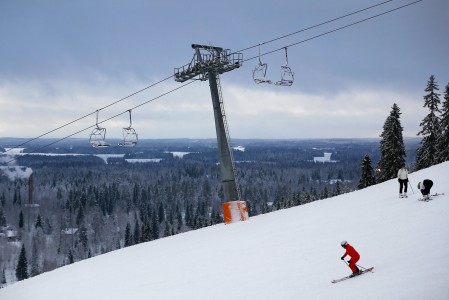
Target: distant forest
x=83 y=206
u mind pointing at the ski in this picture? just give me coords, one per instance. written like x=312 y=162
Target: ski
x=350 y=276
x=429 y=199
x=437 y=194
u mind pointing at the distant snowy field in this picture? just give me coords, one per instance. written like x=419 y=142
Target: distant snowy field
x=289 y=254
x=11 y=152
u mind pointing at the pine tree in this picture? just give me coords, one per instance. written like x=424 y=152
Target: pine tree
x=367 y=177
x=426 y=153
x=178 y=217
x=324 y=193
x=337 y=190
x=128 y=236
x=70 y=258
x=443 y=139
x=21 y=222
x=83 y=237
x=16 y=199
x=38 y=221
x=80 y=216
x=22 y=265
x=137 y=234
x=48 y=228
x=2 y=218
x=392 y=148
x=154 y=227
x=3 y=278
x=166 y=229
x=35 y=270
x=146 y=231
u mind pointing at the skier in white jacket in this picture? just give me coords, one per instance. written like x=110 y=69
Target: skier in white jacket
x=403 y=181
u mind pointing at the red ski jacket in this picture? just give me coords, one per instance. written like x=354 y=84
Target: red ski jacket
x=351 y=252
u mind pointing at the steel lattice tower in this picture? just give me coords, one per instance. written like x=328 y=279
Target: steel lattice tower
x=207 y=64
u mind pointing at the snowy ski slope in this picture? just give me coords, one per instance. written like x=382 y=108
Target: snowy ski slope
x=289 y=254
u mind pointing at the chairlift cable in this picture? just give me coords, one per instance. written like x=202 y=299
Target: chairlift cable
x=87 y=115
x=105 y=120
x=334 y=30
x=314 y=26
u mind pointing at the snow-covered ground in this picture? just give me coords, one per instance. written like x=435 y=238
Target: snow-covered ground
x=289 y=254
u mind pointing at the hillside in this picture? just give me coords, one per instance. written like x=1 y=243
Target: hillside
x=288 y=254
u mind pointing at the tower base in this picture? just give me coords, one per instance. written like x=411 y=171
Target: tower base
x=234 y=211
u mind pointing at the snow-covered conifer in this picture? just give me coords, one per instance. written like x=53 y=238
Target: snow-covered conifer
x=137 y=234
x=38 y=221
x=128 y=236
x=34 y=265
x=367 y=177
x=70 y=258
x=2 y=218
x=22 y=265
x=392 y=150
x=426 y=154
x=21 y=221
x=443 y=139
x=3 y=278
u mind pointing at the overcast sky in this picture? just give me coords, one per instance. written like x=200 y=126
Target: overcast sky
x=61 y=60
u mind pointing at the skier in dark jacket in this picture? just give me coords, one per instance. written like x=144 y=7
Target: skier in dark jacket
x=355 y=256
x=425 y=187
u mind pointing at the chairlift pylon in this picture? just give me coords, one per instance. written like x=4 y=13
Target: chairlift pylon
x=287 y=76
x=98 y=135
x=260 y=72
x=130 y=137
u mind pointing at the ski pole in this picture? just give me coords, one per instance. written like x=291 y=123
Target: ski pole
x=411 y=186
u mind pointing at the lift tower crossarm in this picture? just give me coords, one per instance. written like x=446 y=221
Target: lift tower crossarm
x=212 y=58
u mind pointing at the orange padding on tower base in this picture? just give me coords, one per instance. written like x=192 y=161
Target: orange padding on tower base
x=234 y=211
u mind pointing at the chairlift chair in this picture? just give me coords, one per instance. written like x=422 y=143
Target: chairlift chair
x=97 y=137
x=130 y=137
x=287 y=76
x=260 y=72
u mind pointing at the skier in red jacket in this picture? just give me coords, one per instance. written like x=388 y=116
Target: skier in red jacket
x=355 y=256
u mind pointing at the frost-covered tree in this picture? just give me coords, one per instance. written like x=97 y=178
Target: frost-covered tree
x=426 y=154
x=38 y=221
x=3 y=278
x=34 y=265
x=443 y=138
x=128 y=235
x=392 y=150
x=166 y=229
x=21 y=221
x=70 y=258
x=22 y=265
x=83 y=238
x=337 y=189
x=136 y=232
x=2 y=218
x=367 y=177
